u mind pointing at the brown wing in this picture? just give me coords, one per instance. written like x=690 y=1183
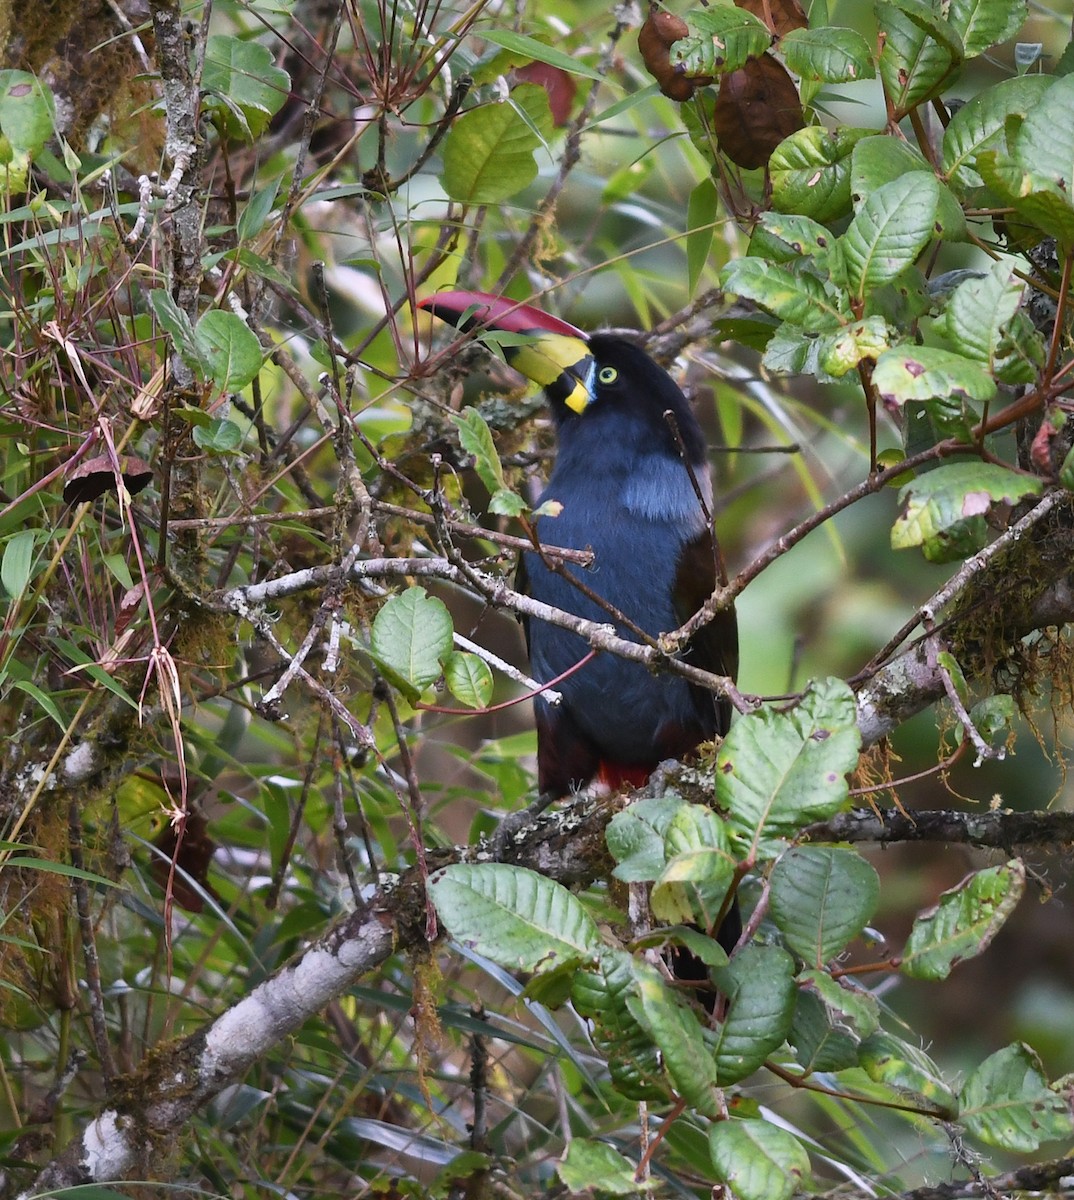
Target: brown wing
x=714 y=647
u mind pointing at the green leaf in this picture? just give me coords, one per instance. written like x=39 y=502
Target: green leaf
x=945 y=508
x=846 y=1003
x=676 y=1032
x=781 y=237
x=475 y=437
x=229 y=347
x=841 y=350
x=488 y=154
x=26 y=111
x=796 y=296
x=177 y=325
x=982 y=23
x=881 y=159
x=821 y=898
x=700 y=226
x=412 y=635
x=921 y=52
x=57 y=868
x=778 y=770
x=757 y=1160
x=723 y=38
x=1044 y=145
x=506 y=503
x=994 y=719
x=1007 y=1102
x=242 y=76
x=693 y=886
x=891 y=1061
x=828 y=55
x=469 y=678
x=980 y=309
x=890 y=230
x=759 y=986
x=818 y=1044
x=514 y=916
x=256 y=212
x=537 y=51
x=636 y=838
x=600 y=996
x=1037 y=198
x=595 y=1165
x=17 y=564
x=220 y=436
x=979 y=124
x=810 y=172
x=42 y=698
x=964 y=922
x=912 y=372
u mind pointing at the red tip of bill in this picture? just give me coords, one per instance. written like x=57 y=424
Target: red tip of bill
x=494 y=312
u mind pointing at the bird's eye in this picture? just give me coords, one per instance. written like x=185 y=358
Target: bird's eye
x=608 y=375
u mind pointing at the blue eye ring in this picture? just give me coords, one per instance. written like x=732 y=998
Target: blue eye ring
x=607 y=375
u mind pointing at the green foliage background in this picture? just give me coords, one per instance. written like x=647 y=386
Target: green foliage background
x=252 y=663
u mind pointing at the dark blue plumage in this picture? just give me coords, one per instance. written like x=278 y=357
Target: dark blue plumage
x=625 y=492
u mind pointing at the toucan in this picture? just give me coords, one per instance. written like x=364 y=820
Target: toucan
x=631 y=483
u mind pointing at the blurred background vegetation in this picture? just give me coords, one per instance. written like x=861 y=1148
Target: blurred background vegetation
x=329 y=230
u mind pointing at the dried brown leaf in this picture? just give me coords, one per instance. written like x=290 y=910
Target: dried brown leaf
x=757 y=107
x=94 y=476
x=781 y=16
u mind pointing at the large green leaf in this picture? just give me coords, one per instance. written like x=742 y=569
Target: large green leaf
x=810 y=172
x=828 y=55
x=911 y=372
x=591 y=1166
x=489 y=153
x=694 y=883
x=819 y=1044
x=1044 y=145
x=412 y=635
x=721 y=39
x=229 y=348
x=978 y=125
x=514 y=916
x=890 y=1060
x=945 y=508
x=1037 y=198
x=26 y=111
x=757 y=1160
x=780 y=769
x=796 y=296
x=244 y=84
x=890 y=230
x=964 y=922
x=1007 y=1102
x=636 y=838
x=981 y=321
x=821 y=898
x=881 y=159
x=676 y=1032
x=759 y=986
x=601 y=995
x=983 y=23
x=921 y=52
